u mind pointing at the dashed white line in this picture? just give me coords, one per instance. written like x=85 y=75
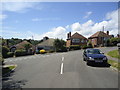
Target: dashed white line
x=62 y=58
x=61 y=71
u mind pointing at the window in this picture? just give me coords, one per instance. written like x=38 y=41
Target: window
x=76 y=40
x=82 y=41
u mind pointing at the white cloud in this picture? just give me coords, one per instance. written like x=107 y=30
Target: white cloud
x=86 y=29
x=45 y=19
x=35 y=19
x=88 y=14
x=58 y=32
x=17 y=6
x=3 y=16
x=76 y=26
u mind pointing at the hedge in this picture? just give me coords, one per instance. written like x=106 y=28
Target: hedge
x=84 y=47
x=10 y=54
x=5 y=50
x=1 y=59
x=20 y=53
x=75 y=47
x=62 y=49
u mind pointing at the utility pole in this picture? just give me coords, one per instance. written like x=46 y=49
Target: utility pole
x=103 y=29
x=103 y=36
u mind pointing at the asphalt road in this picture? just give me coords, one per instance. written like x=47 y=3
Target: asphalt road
x=59 y=70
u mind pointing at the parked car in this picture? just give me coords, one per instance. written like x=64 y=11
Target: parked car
x=94 y=56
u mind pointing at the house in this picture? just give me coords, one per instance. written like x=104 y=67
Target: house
x=76 y=39
x=47 y=44
x=118 y=36
x=99 y=38
x=21 y=46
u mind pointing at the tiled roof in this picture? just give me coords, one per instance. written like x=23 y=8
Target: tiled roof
x=77 y=35
x=99 y=34
x=48 y=42
x=21 y=45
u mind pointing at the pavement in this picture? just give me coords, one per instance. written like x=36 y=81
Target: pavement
x=59 y=70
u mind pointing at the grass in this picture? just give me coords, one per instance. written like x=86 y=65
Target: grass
x=6 y=70
x=114 y=54
x=114 y=64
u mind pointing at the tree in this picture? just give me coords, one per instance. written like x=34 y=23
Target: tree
x=59 y=45
x=27 y=46
x=5 y=50
x=89 y=44
x=114 y=41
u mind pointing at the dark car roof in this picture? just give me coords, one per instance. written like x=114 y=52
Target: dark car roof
x=92 y=49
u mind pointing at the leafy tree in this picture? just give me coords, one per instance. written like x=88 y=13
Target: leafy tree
x=114 y=41
x=27 y=46
x=5 y=50
x=108 y=42
x=89 y=44
x=59 y=45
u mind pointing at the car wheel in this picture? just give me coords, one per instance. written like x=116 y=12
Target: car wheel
x=84 y=59
x=89 y=63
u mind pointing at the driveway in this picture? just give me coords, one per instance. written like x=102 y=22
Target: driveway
x=59 y=70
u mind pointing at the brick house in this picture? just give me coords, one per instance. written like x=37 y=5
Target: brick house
x=99 y=38
x=75 y=39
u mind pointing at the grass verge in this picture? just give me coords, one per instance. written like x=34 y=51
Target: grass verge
x=114 y=54
x=114 y=64
x=7 y=69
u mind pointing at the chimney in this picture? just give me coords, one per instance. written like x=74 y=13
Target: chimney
x=69 y=34
x=118 y=35
x=107 y=32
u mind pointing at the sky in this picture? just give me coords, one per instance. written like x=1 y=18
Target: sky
x=55 y=19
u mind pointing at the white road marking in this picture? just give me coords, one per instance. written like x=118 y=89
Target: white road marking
x=61 y=71
x=62 y=58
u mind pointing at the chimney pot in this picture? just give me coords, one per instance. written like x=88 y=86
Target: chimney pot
x=107 y=32
x=69 y=34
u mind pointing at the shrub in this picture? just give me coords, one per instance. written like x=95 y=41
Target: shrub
x=1 y=59
x=20 y=53
x=42 y=51
x=89 y=45
x=114 y=41
x=75 y=47
x=62 y=49
x=51 y=51
x=30 y=52
x=10 y=54
x=84 y=47
x=5 y=50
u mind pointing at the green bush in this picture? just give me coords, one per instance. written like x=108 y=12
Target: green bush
x=114 y=41
x=89 y=45
x=84 y=47
x=10 y=54
x=1 y=59
x=62 y=49
x=20 y=53
x=51 y=51
x=75 y=47
x=5 y=50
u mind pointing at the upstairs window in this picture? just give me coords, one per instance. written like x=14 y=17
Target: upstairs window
x=76 y=40
x=82 y=41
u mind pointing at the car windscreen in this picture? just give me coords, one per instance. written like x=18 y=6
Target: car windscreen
x=93 y=51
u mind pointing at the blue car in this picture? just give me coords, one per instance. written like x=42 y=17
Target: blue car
x=94 y=56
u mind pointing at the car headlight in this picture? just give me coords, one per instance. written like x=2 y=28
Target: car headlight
x=90 y=58
x=105 y=58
